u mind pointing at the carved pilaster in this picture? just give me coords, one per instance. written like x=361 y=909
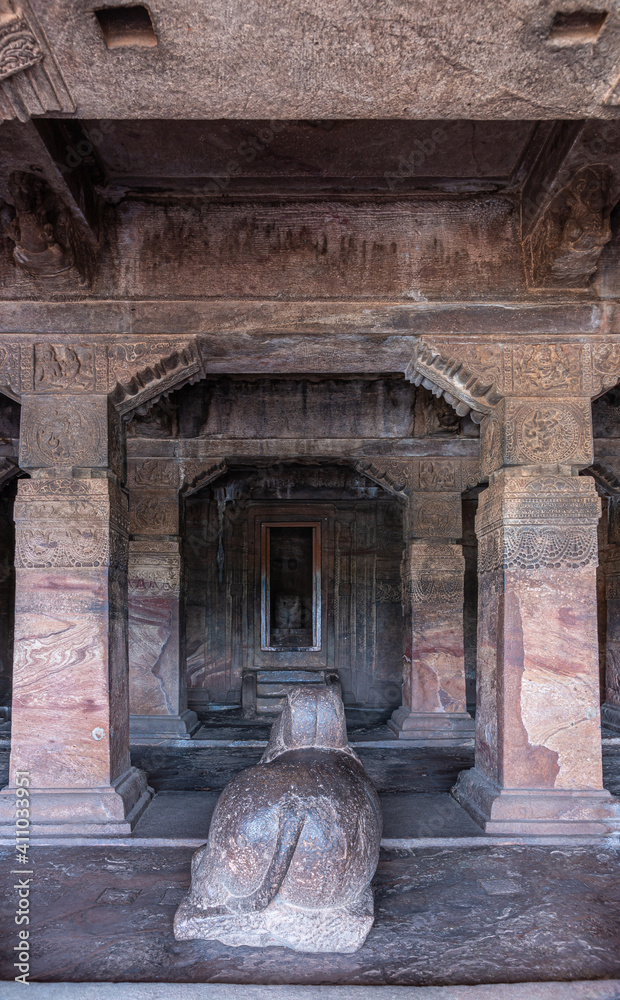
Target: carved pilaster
x=538 y=757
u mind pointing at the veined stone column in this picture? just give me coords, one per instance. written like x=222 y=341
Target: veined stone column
x=434 y=710
x=157 y=686
x=70 y=688
x=610 y=710
x=538 y=748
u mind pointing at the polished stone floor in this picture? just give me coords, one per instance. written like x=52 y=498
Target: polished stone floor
x=483 y=914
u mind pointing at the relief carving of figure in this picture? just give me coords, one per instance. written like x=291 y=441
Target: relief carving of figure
x=294 y=841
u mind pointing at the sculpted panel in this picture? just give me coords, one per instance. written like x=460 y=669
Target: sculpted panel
x=63 y=367
x=154 y=512
x=546 y=367
x=64 y=431
x=435 y=515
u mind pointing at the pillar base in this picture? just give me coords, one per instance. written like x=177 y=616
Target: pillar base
x=536 y=811
x=111 y=810
x=171 y=727
x=432 y=729
x=610 y=716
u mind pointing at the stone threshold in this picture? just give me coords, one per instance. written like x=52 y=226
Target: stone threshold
x=602 y=989
x=411 y=821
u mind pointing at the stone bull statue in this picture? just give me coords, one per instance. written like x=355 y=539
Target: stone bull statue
x=293 y=843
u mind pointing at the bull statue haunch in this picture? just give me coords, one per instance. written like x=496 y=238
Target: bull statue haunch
x=293 y=843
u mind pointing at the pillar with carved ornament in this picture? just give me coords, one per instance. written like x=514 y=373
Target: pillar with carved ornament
x=538 y=749
x=434 y=711
x=70 y=734
x=157 y=685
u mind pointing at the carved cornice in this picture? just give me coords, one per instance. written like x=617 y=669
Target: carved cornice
x=140 y=373
x=394 y=474
x=606 y=481
x=449 y=377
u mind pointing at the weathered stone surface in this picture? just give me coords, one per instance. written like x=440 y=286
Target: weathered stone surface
x=294 y=842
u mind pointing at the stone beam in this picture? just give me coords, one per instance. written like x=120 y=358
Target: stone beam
x=292 y=62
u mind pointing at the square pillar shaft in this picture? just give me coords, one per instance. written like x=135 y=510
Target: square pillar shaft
x=610 y=711
x=538 y=751
x=70 y=697
x=433 y=712
x=157 y=683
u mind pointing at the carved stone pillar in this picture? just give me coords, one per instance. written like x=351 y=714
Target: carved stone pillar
x=70 y=693
x=538 y=750
x=610 y=710
x=157 y=686
x=434 y=711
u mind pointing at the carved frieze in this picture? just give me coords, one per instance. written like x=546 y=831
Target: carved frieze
x=153 y=573
x=156 y=472
x=403 y=476
x=540 y=522
x=69 y=523
x=63 y=368
x=62 y=431
x=543 y=367
x=434 y=574
x=564 y=247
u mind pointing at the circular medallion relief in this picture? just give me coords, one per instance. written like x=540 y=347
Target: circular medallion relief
x=546 y=432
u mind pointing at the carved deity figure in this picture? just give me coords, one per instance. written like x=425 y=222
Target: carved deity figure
x=294 y=841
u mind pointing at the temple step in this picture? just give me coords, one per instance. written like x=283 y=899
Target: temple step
x=272 y=686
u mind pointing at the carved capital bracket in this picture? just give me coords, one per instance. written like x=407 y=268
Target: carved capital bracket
x=197 y=472
x=451 y=378
x=394 y=474
x=141 y=373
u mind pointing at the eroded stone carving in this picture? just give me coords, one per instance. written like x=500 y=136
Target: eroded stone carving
x=141 y=373
x=41 y=232
x=294 y=841
x=564 y=248
x=19 y=48
x=63 y=367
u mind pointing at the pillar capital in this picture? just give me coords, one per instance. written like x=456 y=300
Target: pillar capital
x=535 y=433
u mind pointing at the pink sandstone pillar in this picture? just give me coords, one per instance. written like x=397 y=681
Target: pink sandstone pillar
x=157 y=686
x=433 y=712
x=70 y=697
x=610 y=710
x=538 y=747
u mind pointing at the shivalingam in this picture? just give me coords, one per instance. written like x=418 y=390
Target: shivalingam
x=294 y=841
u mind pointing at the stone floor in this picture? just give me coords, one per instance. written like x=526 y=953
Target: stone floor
x=479 y=913
x=442 y=916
